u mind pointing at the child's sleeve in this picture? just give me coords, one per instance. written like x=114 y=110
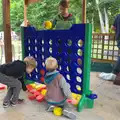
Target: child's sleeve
x=65 y=87
x=73 y=20
x=54 y=22
x=23 y=83
x=115 y=21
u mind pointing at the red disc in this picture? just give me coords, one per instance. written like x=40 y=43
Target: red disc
x=40 y=98
x=36 y=93
x=2 y=87
x=32 y=91
x=42 y=72
x=31 y=97
x=29 y=87
x=42 y=79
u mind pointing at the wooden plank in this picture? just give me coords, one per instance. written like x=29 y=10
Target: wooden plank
x=103 y=61
x=7 y=30
x=84 y=11
x=25 y=13
x=111 y=34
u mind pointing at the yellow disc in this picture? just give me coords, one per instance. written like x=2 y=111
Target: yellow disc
x=48 y=25
x=33 y=85
x=39 y=86
x=78 y=88
x=74 y=95
x=57 y=111
x=43 y=92
x=77 y=97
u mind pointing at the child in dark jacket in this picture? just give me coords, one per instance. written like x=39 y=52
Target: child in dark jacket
x=58 y=90
x=11 y=74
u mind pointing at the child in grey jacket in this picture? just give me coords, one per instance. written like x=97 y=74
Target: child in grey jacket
x=58 y=90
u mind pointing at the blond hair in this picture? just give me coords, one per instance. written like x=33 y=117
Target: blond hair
x=51 y=63
x=30 y=61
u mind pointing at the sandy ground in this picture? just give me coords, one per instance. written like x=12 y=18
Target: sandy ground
x=108 y=103
x=107 y=106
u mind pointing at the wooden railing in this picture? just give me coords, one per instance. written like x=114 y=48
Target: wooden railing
x=104 y=47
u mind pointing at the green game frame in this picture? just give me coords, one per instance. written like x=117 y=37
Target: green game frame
x=85 y=102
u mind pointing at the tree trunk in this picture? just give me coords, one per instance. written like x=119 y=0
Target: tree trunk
x=100 y=17
x=106 y=21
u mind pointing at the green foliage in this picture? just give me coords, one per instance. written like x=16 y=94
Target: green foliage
x=112 y=6
x=39 y=12
x=92 y=14
x=17 y=14
x=42 y=11
x=76 y=9
x=48 y=9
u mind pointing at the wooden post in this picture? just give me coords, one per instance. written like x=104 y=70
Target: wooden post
x=25 y=12
x=84 y=11
x=7 y=30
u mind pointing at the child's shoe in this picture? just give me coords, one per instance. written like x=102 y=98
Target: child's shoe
x=13 y=104
x=20 y=101
x=6 y=105
x=50 y=108
x=69 y=114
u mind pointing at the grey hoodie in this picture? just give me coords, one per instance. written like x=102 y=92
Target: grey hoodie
x=58 y=89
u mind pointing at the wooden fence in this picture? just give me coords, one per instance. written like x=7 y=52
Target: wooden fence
x=104 y=48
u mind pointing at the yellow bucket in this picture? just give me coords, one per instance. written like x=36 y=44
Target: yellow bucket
x=57 y=111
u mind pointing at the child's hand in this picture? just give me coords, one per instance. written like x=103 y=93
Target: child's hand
x=72 y=101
